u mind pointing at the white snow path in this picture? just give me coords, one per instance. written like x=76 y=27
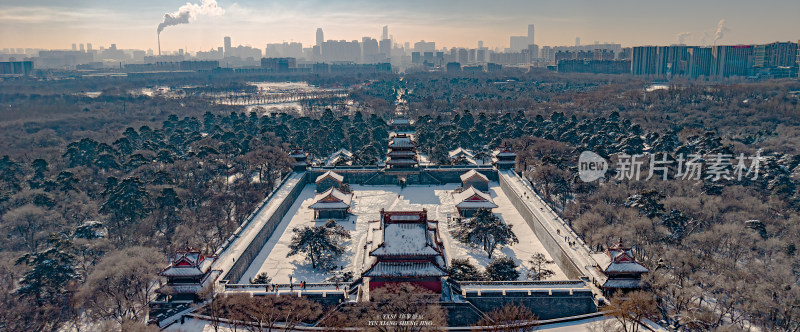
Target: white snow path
x=242 y=241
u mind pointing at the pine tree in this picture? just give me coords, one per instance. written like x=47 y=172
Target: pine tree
x=486 y=230
x=127 y=203
x=502 y=269
x=462 y=269
x=261 y=278
x=321 y=244
x=538 y=269
x=51 y=270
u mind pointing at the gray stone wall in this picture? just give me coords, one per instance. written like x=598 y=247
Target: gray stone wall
x=560 y=257
x=248 y=255
x=544 y=306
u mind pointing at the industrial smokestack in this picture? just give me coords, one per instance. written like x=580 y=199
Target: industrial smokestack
x=721 y=31
x=189 y=12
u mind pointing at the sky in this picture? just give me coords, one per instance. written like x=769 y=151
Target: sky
x=57 y=24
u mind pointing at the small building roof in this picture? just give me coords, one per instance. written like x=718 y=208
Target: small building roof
x=406 y=239
x=474 y=199
x=504 y=151
x=331 y=199
x=622 y=283
x=401 y=141
x=405 y=269
x=188 y=263
x=401 y=121
x=619 y=259
x=460 y=152
x=297 y=153
x=330 y=174
x=473 y=174
x=334 y=157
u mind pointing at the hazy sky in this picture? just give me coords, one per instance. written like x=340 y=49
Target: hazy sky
x=58 y=24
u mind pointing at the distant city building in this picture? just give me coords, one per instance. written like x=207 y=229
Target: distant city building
x=320 y=37
x=772 y=60
x=732 y=60
x=594 y=66
x=22 y=68
x=519 y=43
x=644 y=60
x=227 y=41
x=423 y=46
x=493 y=67
x=284 y=50
x=776 y=59
x=279 y=65
x=453 y=67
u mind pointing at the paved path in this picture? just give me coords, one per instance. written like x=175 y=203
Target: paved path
x=250 y=230
x=558 y=229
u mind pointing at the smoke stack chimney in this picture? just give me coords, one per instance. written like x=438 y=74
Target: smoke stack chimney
x=159 y=44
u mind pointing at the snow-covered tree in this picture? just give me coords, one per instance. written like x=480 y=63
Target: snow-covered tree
x=322 y=245
x=502 y=269
x=51 y=270
x=462 y=269
x=486 y=230
x=539 y=270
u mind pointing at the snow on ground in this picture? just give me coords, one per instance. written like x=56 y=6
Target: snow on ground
x=368 y=202
x=240 y=243
x=521 y=252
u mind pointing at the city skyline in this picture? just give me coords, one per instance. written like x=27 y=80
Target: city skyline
x=47 y=24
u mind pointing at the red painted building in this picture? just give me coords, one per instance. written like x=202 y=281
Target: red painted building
x=189 y=274
x=622 y=270
x=405 y=248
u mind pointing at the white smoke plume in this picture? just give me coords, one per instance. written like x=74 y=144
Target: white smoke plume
x=682 y=37
x=189 y=12
x=721 y=31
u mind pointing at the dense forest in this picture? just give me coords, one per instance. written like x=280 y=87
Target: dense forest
x=95 y=191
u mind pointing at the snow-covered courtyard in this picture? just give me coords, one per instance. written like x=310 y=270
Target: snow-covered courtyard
x=367 y=204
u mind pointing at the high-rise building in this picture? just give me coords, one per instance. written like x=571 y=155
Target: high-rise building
x=370 y=50
x=88 y=47
x=74 y=47
x=385 y=34
x=643 y=61
x=577 y=41
x=423 y=46
x=732 y=60
x=227 y=43
x=385 y=47
x=519 y=43
x=531 y=41
x=320 y=37
x=700 y=60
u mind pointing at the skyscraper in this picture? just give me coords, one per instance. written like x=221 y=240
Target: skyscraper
x=530 y=34
x=385 y=34
x=320 y=37
x=227 y=46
